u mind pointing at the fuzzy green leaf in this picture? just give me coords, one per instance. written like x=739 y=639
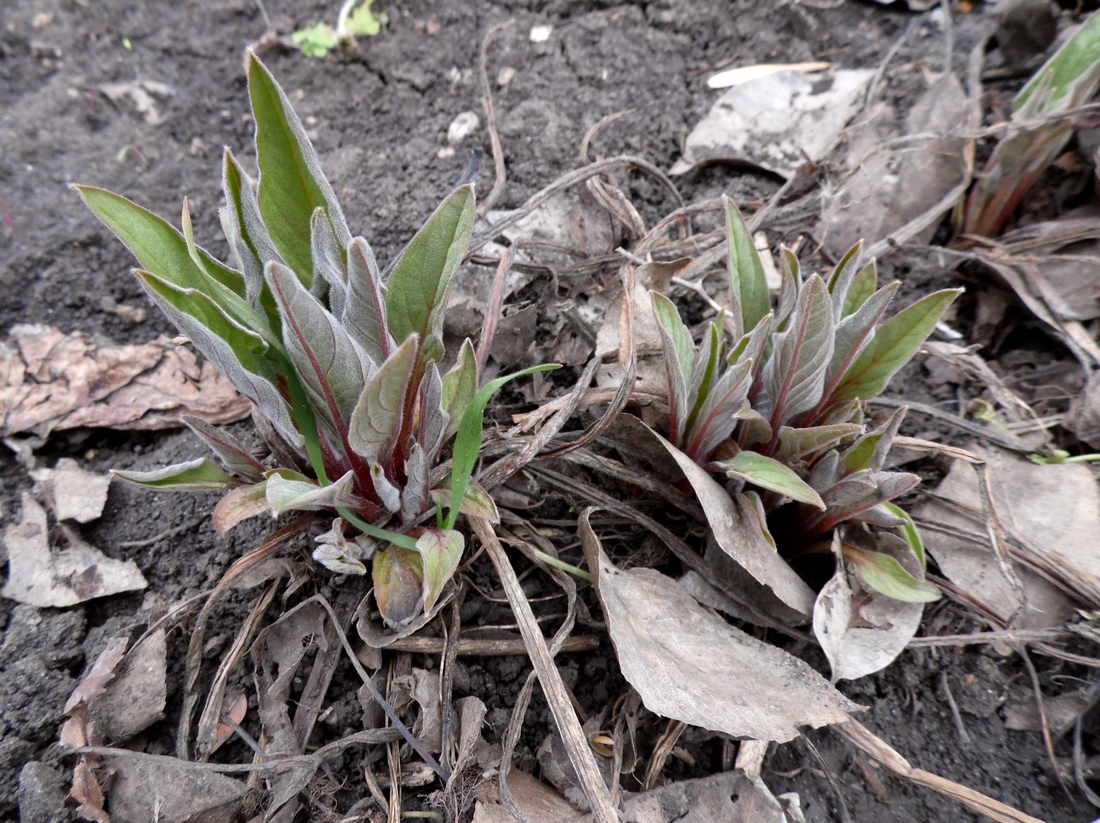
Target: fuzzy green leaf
x=200 y=475
x=679 y=361
x=863 y=286
x=292 y=184
x=797 y=443
x=247 y=235
x=468 y=441
x=364 y=313
x=290 y=491
x=416 y=294
x=840 y=281
x=887 y=576
x=794 y=376
x=475 y=503
x=329 y=270
x=1069 y=76
x=770 y=474
x=233 y=454
x=460 y=386
x=440 y=551
x=376 y=420
x=748 y=286
x=323 y=354
x=909 y=531
x=894 y=343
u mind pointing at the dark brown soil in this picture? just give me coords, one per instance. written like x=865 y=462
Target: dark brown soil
x=379 y=117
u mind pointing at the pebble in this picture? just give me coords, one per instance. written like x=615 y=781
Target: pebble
x=462 y=127
x=41 y=794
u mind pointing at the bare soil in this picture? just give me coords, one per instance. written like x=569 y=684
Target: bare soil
x=379 y=117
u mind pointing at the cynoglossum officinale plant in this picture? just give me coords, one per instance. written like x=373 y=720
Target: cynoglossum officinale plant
x=342 y=368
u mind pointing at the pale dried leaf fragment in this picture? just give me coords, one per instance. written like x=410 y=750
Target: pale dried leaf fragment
x=53 y=381
x=731 y=797
x=136 y=698
x=690 y=665
x=39 y=577
x=165 y=789
x=776 y=122
x=1053 y=509
x=73 y=492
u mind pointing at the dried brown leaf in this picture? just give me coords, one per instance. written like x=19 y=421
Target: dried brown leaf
x=52 y=381
x=73 y=492
x=690 y=665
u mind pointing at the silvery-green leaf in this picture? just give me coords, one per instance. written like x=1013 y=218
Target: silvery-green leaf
x=440 y=551
x=790 y=282
x=797 y=443
x=679 y=361
x=719 y=412
x=863 y=286
x=292 y=184
x=909 y=530
x=234 y=455
x=794 y=376
x=857 y=493
x=364 y=313
x=893 y=344
x=289 y=491
x=200 y=475
x=387 y=492
x=870 y=450
x=887 y=576
x=460 y=386
x=325 y=358
x=414 y=497
x=704 y=371
x=377 y=417
x=854 y=332
x=248 y=236
x=433 y=419
x=757 y=428
x=416 y=294
x=240 y=504
x=769 y=474
x=475 y=503
x=329 y=271
x=825 y=473
x=748 y=286
x=239 y=352
x=840 y=281
x=338 y=561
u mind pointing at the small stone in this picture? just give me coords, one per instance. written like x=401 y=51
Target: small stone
x=445 y=153
x=42 y=794
x=540 y=34
x=462 y=127
x=505 y=75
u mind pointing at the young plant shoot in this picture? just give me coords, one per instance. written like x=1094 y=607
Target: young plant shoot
x=342 y=369
x=777 y=407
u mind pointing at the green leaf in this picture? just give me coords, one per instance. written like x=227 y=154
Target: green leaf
x=233 y=454
x=247 y=235
x=292 y=184
x=840 y=281
x=870 y=450
x=460 y=386
x=364 y=21
x=679 y=362
x=770 y=474
x=290 y=491
x=887 y=576
x=794 y=375
x=416 y=294
x=201 y=475
x=364 y=314
x=376 y=420
x=909 y=531
x=240 y=504
x=323 y=354
x=748 y=286
x=239 y=352
x=894 y=343
x=720 y=411
x=468 y=441
x=163 y=251
x=329 y=271
x=440 y=552
x=795 y=444
x=863 y=286
x=1068 y=77
x=398 y=576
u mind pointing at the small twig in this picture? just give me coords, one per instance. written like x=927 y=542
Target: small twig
x=486 y=646
x=842 y=808
x=1044 y=723
x=602 y=123
x=249 y=740
x=964 y=736
x=493 y=309
x=499 y=171
x=165 y=535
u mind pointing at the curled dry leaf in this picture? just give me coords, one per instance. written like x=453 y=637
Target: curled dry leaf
x=421 y=687
x=53 y=381
x=776 y=122
x=861 y=630
x=39 y=577
x=690 y=665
